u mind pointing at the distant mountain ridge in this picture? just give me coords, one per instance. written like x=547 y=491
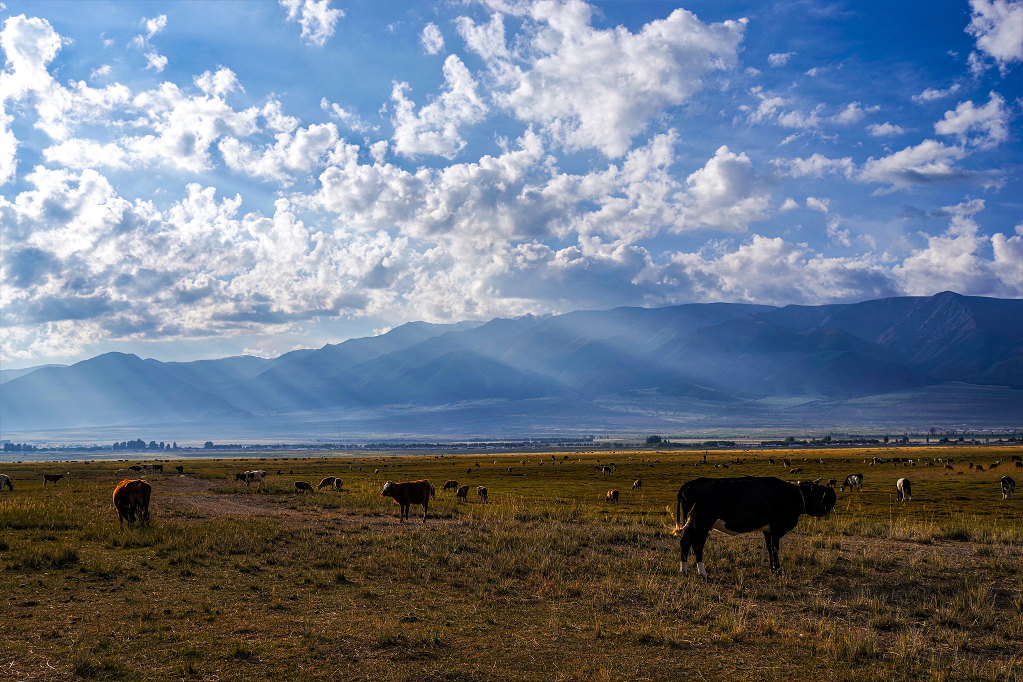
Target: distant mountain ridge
x=715 y=356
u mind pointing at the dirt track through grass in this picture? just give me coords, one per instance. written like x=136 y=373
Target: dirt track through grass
x=546 y=582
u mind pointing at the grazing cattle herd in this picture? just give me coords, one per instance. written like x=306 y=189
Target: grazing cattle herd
x=730 y=505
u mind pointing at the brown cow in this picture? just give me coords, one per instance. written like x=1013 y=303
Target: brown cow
x=832 y=482
x=409 y=493
x=451 y=485
x=612 y=496
x=131 y=501
x=481 y=492
x=462 y=493
x=326 y=482
x=302 y=485
x=52 y=478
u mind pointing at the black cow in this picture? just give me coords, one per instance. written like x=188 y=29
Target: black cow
x=1008 y=487
x=744 y=505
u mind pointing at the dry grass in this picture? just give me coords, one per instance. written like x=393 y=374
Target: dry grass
x=546 y=582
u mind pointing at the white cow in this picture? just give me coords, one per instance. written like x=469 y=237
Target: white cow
x=251 y=477
x=904 y=490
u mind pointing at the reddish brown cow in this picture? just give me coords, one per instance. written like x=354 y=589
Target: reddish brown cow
x=462 y=493
x=451 y=485
x=131 y=501
x=409 y=493
x=51 y=478
x=637 y=484
x=481 y=491
x=612 y=496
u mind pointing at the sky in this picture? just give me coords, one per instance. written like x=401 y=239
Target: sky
x=187 y=180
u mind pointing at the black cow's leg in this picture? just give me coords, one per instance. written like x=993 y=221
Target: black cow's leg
x=772 y=551
x=699 y=540
x=685 y=543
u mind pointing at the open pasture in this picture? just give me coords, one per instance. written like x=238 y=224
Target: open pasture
x=544 y=582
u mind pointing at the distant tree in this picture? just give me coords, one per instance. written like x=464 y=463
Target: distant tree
x=653 y=440
x=208 y=445
x=175 y=446
x=790 y=439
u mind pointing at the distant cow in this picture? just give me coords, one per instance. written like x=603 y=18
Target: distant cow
x=904 y=490
x=131 y=501
x=1008 y=487
x=481 y=492
x=462 y=493
x=832 y=482
x=637 y=484
x=853 y=481
x=796 y=470
x=302 y=485
x=51 y=478
x=326 y=482
x=612 y=496
x=5 y=482
x=450 y=485
x=250 y=477
x=180 y=469
x=409 y=493
x=744 y=505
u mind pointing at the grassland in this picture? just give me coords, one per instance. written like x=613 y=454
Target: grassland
x=544 y=583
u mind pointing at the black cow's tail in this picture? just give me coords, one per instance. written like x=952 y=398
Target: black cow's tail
x=680 y=523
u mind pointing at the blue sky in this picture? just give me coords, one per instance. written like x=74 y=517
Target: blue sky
x=200 y=179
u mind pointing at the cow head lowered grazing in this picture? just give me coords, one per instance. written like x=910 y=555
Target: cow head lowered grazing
x=744 y=505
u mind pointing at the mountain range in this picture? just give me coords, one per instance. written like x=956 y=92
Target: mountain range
x=626 y=367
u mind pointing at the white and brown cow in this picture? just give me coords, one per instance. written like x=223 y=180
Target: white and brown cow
x=1008 y=487
x=904 y=490
x=853 y=481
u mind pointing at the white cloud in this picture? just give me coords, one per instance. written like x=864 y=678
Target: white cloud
x=790 y=204
x=838 y=235
x=725 y=194
x=155 y=61
x=100 y=72
x=990 y=123
x=79 y=153
x=816 y=166
x=598 y=89
x=885 y=129
x=954 y=261
x=304 y=151
x=434 y=129
x=432 y=39
x=853 y=113
x=347 y=117
x=815 y=204
x=316 y=17
x=770 y=107
x=998 y=27
x=926 y=163
x=218 y=84
x=155 y=25
x=780 y=58
x=932 y=94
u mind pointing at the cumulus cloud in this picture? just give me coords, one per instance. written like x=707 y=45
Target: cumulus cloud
x=853 y=113
x=954 y=260
x=432 y=39
x=435 y=128
x=779 y=58
x=725 y=194
x=984 y=127
x=926 y=163
x=885 y=129
x=998 y=27
x=316 y=17
x=771 y=107
x=598 y=89
x=815 y=204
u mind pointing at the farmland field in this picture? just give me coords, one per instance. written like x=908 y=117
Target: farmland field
x=546 y=582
